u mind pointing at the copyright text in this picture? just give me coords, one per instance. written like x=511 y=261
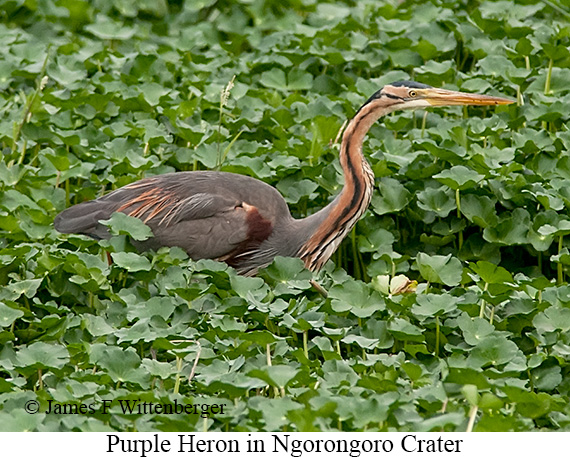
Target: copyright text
x=131 y=406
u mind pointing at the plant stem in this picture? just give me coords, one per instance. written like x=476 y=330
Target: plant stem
x=556 y=8
x=178 y=372
x=28 y=108
x=320 y=289
x=548 y=77
x=472 y=417
x=67 y=191
x=224 y=95
x=460 y=233
x=268 y=352
x=305 y=343
x=424 y=121
x=437 y=336
x=355 y=260
x=220 y=132
x=559 y=266
x=227 y=149
x=482 y=310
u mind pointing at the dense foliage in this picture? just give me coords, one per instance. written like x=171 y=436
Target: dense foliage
x=471 y=203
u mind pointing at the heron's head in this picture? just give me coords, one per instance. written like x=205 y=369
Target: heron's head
x=410 y=95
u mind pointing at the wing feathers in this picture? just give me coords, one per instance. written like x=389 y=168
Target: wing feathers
x=214 y=223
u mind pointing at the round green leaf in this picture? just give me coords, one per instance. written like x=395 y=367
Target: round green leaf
x=440 y=269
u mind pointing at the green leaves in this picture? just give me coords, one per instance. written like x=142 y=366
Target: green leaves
x=42 y=355
x=122 y=224
x=356 y=297
x=479 y=209
x=495 y=351
x=107 y=29
x=121 y=366
x=440 y=201
x=8 y=315
x=492 y=274
x=552 y=320
x=131 y=261
x=434 y=305
x=278 y=376
x=459 y=177
x=474 y=329
x=393 y=197
x=511 y=229
x=449 y=298
x=294 y=80
x=440 y=269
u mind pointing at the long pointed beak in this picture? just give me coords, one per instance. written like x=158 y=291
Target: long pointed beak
x=442 y=97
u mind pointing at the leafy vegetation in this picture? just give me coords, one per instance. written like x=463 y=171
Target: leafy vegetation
x=470 y=203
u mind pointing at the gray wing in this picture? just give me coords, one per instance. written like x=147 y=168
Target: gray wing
x=208 y=214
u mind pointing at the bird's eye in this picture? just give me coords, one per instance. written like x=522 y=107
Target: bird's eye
x=412 y=93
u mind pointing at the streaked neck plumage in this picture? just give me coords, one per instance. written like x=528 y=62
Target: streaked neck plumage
x=329 y=226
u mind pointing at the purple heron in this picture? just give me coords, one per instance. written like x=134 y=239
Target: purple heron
x=246 y=222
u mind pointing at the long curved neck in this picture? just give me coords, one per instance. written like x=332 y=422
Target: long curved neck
x=330 y=225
